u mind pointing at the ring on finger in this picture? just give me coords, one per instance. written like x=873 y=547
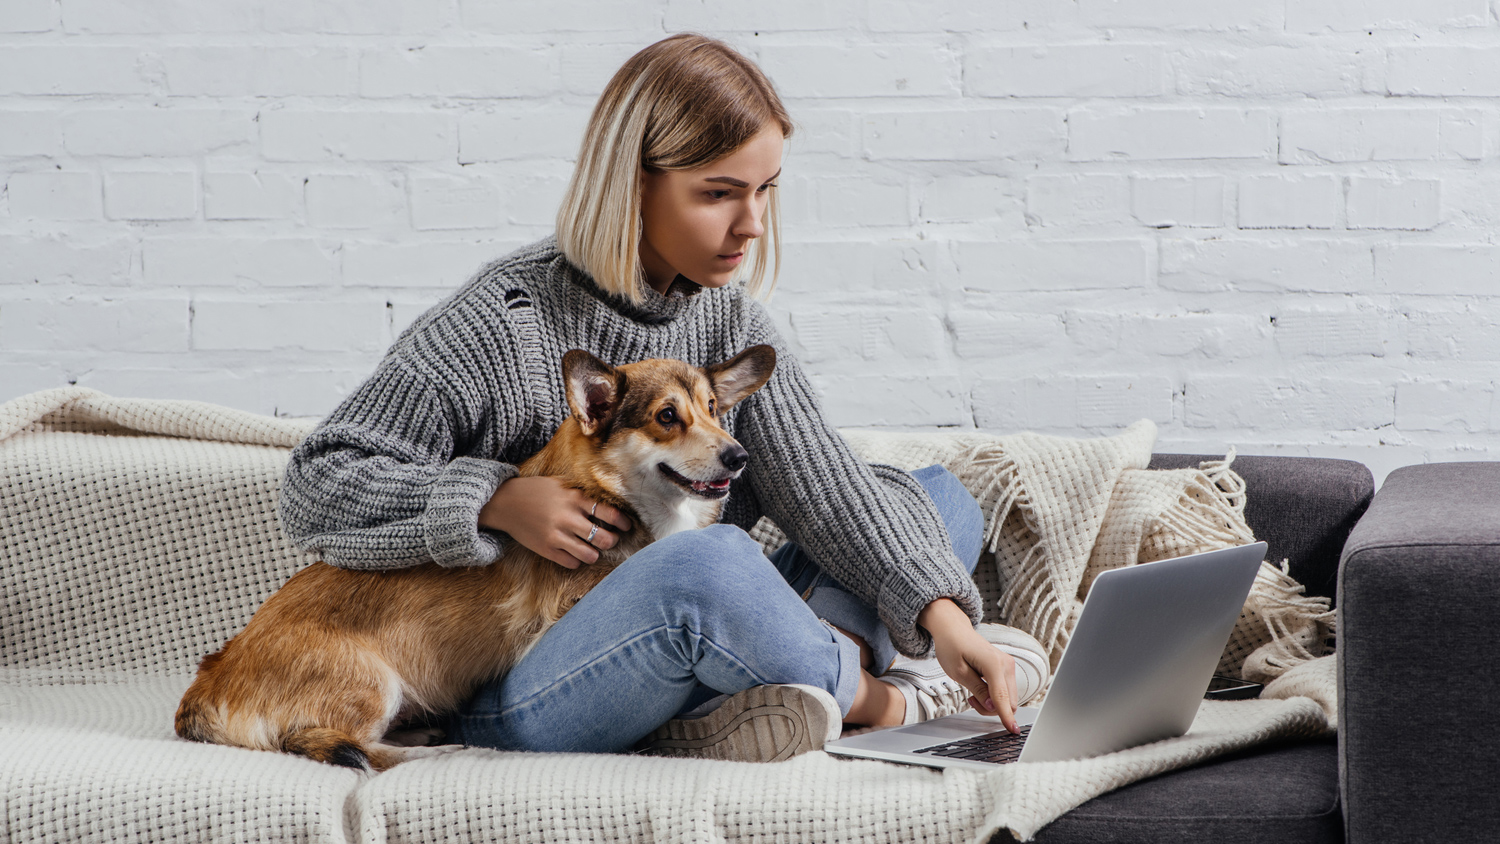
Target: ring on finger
x=594 y=511
x=590 y=538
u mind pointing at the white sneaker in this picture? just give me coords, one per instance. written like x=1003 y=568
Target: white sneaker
x=931 y=693
x=760 y=724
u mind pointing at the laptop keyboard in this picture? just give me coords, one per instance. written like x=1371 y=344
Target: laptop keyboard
x=997 y=747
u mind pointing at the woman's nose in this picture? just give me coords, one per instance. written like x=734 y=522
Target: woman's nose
x=749 y=224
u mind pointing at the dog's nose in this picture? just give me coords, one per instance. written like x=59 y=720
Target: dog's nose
x=734 y=457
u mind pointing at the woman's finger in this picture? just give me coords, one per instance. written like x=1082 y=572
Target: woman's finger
x=610 y=515
x=596 y=535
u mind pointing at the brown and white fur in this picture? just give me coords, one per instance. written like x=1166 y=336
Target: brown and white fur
x=336 y=657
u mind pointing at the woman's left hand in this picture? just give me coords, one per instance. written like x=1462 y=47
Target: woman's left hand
x=986 y=671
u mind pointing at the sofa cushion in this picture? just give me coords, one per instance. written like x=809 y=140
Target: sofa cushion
x=1302 y=507
x=1286 y=794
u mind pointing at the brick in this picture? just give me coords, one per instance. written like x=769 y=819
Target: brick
x=446 y=203
x=868 y=334
x=587 y=68
x=442 y=265
x=1437 y=269
x=1302 y=333
x=251 y=196
x=909 y=268
x=986 y=335
x=369 y=17
x=457 y=72
x=150 y=195
x=962 y=199
x=229 y=387
x=1321 y=404
x=118 y=325
x=1014 y=266
x=533 y=201
x=1298 y=266
x=296 y=135
x=902 y=16
x=1359 y=134
x=28 y=16
x=314 y=326
x=1288 y=202
x=893 y=400
x=30 y=376
x=1086 y=70
x=1170 y=132
x=54 y=195
x=1070 y=403
x=54 y=70
x=248 y=261
x=554 y=131
x=1453 y=406
x=833 y=70
x=1357 y=15
x=159 y=16
x=1182 y=14
x=260 y=71
x=989 y=134
x=1195 y=335
x=1301 y=70
x=832 y=131
x=1077 y=200
x=1443 y=71
x=341 y=201
x=29 y=132
x=775 y=15
x=1167 y=201
x=310 y=393
x=57 y=259
x=506 y=17
x=1376 y=203
x=1452 y=336
x=856 y=201
x=134 y=131
x=1469 y=134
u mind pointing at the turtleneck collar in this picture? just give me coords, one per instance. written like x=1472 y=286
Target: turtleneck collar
x=653 y=308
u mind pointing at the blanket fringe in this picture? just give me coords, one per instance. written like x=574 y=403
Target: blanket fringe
x=1299 y=624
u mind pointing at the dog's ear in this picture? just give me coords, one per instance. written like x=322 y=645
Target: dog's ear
x=594 y=388
x=741 y=375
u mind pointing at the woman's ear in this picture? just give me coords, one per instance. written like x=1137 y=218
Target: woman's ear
x=593 y=388
x=741 y=375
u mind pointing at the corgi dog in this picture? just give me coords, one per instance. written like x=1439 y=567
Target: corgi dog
x=336 y=657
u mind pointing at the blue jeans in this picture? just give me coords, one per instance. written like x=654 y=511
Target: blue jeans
x=689 y=617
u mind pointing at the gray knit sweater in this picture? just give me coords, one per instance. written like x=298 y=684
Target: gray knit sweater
x=396 y=474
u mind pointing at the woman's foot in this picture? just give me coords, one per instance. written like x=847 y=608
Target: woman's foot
x=760 y=724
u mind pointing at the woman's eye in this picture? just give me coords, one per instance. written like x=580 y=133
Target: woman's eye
x=718 y=194
x=765 y=187
x=666 y=417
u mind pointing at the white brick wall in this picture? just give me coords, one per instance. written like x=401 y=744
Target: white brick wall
x=1262 y=223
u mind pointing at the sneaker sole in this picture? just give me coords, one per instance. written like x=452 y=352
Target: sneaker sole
x=760 y=724
x=1030 y=658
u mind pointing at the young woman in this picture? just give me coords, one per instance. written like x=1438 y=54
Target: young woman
x=672 y=203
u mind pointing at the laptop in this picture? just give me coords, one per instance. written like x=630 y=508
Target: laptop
x=1140 y=659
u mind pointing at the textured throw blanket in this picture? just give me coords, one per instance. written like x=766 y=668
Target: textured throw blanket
x=137 y=535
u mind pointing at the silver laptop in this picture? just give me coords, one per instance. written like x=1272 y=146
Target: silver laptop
x=1135 y=670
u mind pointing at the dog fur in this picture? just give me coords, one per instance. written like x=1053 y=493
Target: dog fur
x=336 y=657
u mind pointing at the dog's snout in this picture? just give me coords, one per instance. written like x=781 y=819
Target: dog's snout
x=734 y=457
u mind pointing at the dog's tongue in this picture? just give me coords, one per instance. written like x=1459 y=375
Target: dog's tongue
x=703 y=485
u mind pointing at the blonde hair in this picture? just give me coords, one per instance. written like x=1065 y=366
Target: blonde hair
x=679 y=104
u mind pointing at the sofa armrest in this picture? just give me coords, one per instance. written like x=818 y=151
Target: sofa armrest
x=1419 y=665
x=1303 y=507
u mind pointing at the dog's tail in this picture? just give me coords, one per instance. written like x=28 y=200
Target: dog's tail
x=333 y=746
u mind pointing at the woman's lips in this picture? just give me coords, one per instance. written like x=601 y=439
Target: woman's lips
x=732 y=259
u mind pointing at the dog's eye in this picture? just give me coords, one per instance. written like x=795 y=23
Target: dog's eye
x=666 y=417
x=713 y=407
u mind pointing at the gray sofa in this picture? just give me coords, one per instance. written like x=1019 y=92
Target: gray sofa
x=1416 y=569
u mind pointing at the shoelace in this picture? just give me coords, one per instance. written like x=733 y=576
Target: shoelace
x=942 y=698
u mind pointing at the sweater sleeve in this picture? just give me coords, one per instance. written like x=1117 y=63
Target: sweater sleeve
x=873 y=528
x=377 y=485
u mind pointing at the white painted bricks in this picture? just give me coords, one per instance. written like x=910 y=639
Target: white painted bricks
x=1260 y=223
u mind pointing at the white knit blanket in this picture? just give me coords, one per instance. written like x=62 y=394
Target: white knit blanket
x=137 y=535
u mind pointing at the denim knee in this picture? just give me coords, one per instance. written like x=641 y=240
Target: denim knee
x=697 y=568
x=961 y=514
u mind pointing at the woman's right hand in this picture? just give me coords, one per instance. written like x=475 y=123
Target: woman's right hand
x=552 y=519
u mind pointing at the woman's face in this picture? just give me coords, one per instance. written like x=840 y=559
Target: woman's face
x=698 y=223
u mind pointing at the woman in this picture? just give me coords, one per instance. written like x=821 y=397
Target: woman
x=668 y=206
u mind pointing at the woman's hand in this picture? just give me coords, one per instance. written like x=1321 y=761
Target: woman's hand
x=553 y=520
x=986 y=671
